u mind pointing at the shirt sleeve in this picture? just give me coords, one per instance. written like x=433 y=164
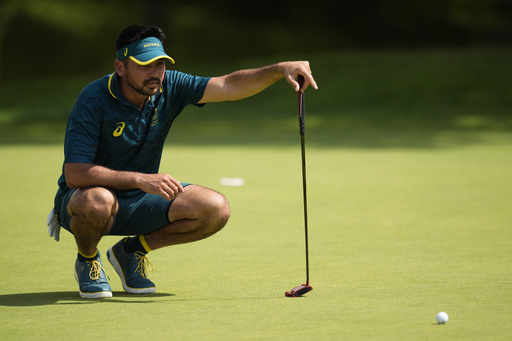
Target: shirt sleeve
x=83 y=131
x=187 y=89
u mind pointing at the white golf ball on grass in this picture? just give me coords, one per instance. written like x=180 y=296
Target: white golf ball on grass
x=442 y=317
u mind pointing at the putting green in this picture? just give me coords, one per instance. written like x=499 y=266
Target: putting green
x=396 y=236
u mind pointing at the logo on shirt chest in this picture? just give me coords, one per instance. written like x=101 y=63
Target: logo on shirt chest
x=154 y=119
x=119 y=130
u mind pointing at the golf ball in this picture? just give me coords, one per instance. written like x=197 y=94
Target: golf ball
x=442 y=317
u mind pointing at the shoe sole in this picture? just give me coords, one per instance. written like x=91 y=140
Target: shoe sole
x=111 y=256
x=99 y=294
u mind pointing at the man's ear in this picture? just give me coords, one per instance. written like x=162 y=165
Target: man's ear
x=119 y=66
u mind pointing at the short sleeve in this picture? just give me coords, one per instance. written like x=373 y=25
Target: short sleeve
x=83 y=132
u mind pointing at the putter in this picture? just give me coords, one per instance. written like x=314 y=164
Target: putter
x=304 y=288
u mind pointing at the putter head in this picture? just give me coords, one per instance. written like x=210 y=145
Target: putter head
x=299 y=291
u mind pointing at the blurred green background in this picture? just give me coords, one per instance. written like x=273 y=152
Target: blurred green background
x=46 y=38
x=435 y=65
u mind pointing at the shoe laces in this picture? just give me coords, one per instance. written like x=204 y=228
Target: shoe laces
x=144 y=264
x=95 y=270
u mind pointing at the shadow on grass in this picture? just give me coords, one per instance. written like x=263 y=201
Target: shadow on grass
x=71 y=297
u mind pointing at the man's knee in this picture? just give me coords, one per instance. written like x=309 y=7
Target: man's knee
x=215 y=215
x=96 y=203
x=208 y=208
x=222 y=210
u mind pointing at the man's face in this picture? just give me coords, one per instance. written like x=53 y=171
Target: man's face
x=145 y=80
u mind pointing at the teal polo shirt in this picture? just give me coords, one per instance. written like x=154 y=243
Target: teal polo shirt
x=107 y=130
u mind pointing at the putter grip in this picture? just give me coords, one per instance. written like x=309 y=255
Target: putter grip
x=302 y=111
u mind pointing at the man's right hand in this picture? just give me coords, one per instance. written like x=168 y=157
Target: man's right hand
x=161 y=184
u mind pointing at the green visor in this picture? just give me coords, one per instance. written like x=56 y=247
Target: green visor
x=144 y=51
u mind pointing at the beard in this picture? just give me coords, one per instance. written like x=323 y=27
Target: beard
x=141 y=88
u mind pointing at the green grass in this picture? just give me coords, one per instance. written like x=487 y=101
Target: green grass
x=409 y=212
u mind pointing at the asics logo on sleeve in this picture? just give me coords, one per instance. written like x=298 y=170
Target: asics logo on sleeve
x=119 y=130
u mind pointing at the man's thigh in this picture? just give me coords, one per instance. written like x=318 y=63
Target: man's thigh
x=139 y=214
x=194 y=202
x=142 y=213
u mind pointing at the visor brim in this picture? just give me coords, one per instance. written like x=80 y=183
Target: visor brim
x=148 y=59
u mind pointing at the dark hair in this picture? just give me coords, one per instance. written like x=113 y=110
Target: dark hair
x=136 y=32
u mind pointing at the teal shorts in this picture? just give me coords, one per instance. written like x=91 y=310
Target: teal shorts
x=139 y=212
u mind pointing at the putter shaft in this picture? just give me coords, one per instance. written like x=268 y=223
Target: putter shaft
x=302 y=123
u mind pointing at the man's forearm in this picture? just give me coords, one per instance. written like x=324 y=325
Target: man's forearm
x=241 y=84
x=80 y=175
x=247 y=83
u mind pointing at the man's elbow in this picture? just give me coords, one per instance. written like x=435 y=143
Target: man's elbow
x=72 y=181
x=72 y=184
x=71 y=173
